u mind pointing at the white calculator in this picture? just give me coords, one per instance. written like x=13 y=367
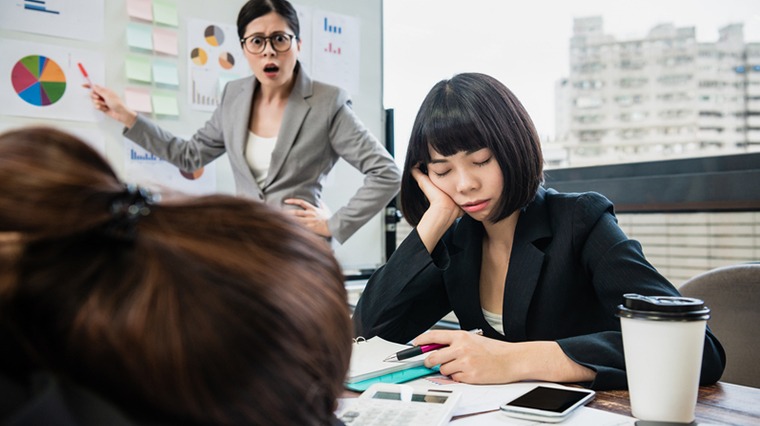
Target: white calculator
x=388 y=405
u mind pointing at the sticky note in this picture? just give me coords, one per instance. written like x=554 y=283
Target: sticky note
x=165 y=104
x=140 y=9
x=165 y=41
x=138 y=99
x=165 y=12
x=139 y=36
x=138 y=69
x=165 y=73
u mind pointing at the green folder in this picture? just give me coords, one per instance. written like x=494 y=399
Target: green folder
x=396 y=377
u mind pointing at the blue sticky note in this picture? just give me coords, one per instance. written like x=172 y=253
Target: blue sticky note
x=139 y=36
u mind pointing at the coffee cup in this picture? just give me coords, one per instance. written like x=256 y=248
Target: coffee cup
x=663 y=340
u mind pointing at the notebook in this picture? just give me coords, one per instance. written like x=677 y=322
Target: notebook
x=367 y=359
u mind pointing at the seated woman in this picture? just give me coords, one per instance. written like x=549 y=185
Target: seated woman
x=118 y=309
x=540 y=272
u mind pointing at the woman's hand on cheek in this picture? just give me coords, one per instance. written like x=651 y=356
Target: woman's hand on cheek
x=437 y=198
x=441 y=214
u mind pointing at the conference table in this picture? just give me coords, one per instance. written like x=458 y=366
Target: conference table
x=718 y=404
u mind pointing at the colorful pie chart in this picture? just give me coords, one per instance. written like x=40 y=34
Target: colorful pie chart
x=198 y=56
x=38 y=80
x=214 y=35
x=226 y=60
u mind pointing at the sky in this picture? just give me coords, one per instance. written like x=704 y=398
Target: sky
x=524 y=44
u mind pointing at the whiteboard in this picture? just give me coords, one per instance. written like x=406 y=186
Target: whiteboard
x=364 y=250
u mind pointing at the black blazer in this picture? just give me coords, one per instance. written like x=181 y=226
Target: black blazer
x=569 y=268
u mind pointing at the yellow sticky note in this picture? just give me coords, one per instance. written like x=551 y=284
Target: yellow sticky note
x=165 y=12
x=165 y=104
x=138 y=69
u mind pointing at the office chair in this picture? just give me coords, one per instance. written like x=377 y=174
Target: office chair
x=733 y=295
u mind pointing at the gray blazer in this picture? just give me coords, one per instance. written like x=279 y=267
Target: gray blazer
x=318 y=128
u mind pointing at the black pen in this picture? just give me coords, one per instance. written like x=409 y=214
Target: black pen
x=419 y=350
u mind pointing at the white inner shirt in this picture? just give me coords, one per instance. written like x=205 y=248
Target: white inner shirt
x=258 y=155
x=494 y=320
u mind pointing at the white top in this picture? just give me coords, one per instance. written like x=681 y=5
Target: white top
x=494 y=320
x=258 y=155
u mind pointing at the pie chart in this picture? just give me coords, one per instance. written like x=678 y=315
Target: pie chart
x=192 y=175
x=198 y=56
x=214 y=35
x=226 y=60
x=38 y=80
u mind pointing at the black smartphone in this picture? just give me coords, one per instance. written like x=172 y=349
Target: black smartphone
x=547 y=404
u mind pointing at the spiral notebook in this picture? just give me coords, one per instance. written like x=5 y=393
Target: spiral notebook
x=367 y=359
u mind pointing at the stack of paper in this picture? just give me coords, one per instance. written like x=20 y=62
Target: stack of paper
x=367 y=359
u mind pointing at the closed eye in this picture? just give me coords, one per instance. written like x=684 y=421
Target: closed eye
x=441 y=174
x=483 y=163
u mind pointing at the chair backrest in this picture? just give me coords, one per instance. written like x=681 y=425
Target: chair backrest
x=733 y=295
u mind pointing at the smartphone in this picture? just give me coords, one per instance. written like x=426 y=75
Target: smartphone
x=547 y=404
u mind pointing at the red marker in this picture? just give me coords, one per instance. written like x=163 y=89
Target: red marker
x=84 y=73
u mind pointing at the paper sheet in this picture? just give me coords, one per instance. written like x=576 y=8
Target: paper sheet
x=367 y=359
x=583 y=416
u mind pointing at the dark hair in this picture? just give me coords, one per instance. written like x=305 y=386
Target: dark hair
x=217 y=310
x=469 y=112
x=257 y=8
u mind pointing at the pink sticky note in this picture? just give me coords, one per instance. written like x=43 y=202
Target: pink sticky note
x=138 y=99
x=165 y=41
x=140 y=9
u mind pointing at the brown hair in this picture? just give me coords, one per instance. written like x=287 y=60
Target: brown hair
x=211 y=310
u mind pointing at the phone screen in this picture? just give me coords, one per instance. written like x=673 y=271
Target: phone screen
x=549 y=399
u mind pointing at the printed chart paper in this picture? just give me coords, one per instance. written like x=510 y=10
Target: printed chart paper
x=144 y=168
x=41 y=80
x=335 y=50
x=215 y=57
x=77 y=19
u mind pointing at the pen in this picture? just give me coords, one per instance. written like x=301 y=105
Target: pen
x=419 y=350
x=84 y=73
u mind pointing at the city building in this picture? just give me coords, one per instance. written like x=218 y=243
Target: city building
x=662 y=96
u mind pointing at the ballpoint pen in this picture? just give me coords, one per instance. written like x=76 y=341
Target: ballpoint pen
x=419 y=350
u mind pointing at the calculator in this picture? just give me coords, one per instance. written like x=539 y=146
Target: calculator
x=394 y=404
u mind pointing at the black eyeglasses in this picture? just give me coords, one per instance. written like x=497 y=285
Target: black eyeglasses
x=280 y=42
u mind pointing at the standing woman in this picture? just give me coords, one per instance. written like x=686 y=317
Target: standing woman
x=540 y=272
x=283 y=132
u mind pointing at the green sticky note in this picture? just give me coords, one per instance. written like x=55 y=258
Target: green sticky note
x=138 y=69
x=165 y=104
x=139 y=36
x=165 y=73
x=165 y=12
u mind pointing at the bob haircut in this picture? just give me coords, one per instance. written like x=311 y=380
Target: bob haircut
x=254 y=9
x=469 y=112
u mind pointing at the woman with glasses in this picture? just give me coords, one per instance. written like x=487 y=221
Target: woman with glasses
x=540 y=272
x=282 y=131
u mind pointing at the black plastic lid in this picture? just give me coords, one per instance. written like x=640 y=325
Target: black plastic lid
x=663 y=308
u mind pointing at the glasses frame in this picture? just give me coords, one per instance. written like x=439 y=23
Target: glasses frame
x=268 y=39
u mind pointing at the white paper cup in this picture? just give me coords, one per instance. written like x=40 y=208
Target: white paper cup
x=663 y=339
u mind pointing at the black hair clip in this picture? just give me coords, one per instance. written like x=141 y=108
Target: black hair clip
x=127 y=208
